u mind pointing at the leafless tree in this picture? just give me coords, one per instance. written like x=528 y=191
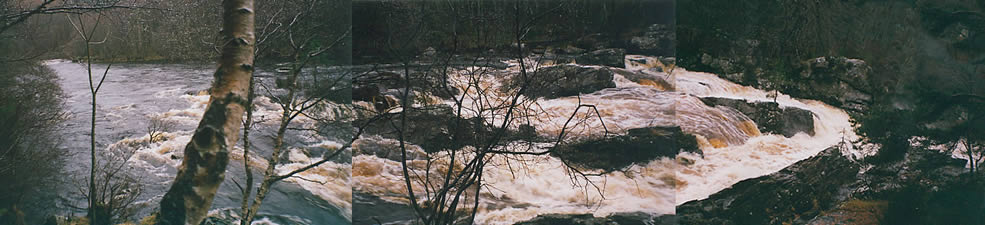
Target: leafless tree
x=157 y=126
x=115 y=190
x=302 y=39
x=207 y=155
x=452 y=177
x=17 y=12
x=87 y=33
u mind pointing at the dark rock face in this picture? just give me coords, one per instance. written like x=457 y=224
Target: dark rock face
x=434 y=129
x=635 y=218
x=571 y=50
x=613 y=57
x=654 y=77
x=925 y=187
x=769 y=116
x=640 y=145
x=854 y=212
x=839 y=81
x=658 y=39
x=565 y=80
x=793 y=195
x=383 y=149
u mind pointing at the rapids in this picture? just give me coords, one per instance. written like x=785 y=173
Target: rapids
x=522 y=187
x=134 y=92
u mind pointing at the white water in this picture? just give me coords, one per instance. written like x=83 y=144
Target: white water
x=734 y=149
x=134 y=92
x=329 y=181
x=760 y=155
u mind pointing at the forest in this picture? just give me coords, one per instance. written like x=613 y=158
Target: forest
x=534 y=112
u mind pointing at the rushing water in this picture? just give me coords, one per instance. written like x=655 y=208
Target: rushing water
x=134 y=92
x=734 y=150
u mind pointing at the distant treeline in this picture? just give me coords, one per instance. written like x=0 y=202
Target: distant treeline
x=384 y=27
x=179 y=30
x=906 y=42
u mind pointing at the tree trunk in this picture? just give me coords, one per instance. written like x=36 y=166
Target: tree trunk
x=204 y=165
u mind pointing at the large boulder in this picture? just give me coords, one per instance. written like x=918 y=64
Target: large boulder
x=614 y=57
x=854 y=212
x=565 y=80
x=839 y=81
x=770 y=117
x=433 y=129
x=639 y=145
x=835 y=80
x=653 y=77
x=925 y=187
x=793 y=195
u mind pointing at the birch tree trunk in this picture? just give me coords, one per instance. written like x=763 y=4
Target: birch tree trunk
x=207 y=154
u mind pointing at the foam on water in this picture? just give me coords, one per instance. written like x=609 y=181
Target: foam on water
x=522 y=187
x=329 y=181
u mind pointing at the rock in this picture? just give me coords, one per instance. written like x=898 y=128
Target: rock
x=793 y=195
x=639 y=145
x=928 y=168
x=430 y=52
x=365 y=92
x=633 y=218
x=769 y=116
x=614 y=57
x=835 y=80
x=925 y=187
x=387 y=149
x=862 y=212
x=567 y=219
x=434 y=129
x=658 y=39
x=839 y=81
x=654 y=77
x=591 y=41
x=571 y=50
x=565 y=80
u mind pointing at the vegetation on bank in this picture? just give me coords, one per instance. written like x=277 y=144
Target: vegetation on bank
x=926 y=58
x=926 y=83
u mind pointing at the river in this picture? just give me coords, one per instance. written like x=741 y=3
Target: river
x=733 y=150
x=132 y=93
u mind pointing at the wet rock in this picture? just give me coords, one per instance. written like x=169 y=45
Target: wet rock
x=558 y=219
x=654 y=77
x=658 y=39
x=571 y=50
x=614 y=57
x=365 y=92
x=434 y=129
x=633 y=218
x=565 y=80
x=928 y=168
x=639 y=145
x=925 y=187
x=769 y=116
x=854 y=212
x=387 y=149
x=371 y=86
x=839 y=81
x=591 y=41
x=793 y=195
